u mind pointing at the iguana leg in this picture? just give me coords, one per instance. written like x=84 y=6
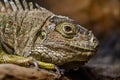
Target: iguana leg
x=19 y=60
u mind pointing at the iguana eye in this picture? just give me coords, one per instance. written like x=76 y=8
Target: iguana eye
x=67 y=29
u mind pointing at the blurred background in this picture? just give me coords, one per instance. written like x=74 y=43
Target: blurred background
x=103 y=18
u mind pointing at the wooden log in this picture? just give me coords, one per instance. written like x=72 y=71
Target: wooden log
x=15 y=72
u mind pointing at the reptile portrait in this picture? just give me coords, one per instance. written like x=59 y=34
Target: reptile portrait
x=30 y=34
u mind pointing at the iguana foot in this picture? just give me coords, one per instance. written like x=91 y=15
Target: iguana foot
x=24 y=61
x=19 y=60
x=51 y=67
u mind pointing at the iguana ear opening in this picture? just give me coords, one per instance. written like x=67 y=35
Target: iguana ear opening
x=42 y=34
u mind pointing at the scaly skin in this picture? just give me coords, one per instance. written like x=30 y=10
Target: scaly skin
x=42 y=35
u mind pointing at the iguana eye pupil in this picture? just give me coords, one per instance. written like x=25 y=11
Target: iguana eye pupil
x=67 y=29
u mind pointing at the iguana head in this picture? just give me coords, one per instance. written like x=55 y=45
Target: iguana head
x=63 y=41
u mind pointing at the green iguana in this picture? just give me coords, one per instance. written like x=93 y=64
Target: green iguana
x=30 y=33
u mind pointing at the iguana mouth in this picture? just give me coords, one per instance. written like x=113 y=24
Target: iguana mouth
x=70 y=48
x=67 y=54
x=81 y=49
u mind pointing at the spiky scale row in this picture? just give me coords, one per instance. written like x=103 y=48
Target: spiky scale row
x=13 y=5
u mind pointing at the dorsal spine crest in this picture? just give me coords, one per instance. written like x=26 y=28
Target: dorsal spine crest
x=14 y=5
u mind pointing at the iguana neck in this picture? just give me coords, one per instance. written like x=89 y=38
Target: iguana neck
x=18 y=29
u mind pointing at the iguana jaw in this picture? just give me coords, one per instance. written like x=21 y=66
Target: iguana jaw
x=61 y=52
x=60 y=56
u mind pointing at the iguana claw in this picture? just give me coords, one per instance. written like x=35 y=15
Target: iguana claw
x=49 y=66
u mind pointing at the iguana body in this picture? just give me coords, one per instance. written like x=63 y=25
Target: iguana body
x=42 y=35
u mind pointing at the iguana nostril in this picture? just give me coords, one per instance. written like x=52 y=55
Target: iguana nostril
x=87 y=33
x=95 y=41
